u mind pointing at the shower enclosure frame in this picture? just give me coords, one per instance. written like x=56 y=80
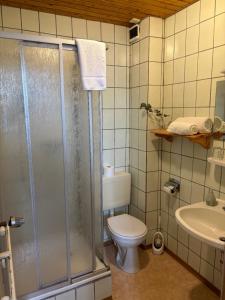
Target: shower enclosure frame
x=62 y=44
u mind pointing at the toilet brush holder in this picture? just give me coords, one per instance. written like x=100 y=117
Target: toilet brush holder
x=158 y=243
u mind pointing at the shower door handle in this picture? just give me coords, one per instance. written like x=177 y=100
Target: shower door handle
x=14 y=222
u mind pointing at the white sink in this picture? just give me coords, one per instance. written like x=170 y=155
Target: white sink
x=204 y=222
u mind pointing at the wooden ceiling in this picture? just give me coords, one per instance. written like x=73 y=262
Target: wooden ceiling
x=110 y=11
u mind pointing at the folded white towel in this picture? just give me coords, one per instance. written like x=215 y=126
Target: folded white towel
x=92 y=57
x=204 y=124
x=182 y=128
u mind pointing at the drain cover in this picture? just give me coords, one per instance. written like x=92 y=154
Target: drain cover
x=222 y=238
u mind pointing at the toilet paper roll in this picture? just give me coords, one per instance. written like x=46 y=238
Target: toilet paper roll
x=109 y=171
x=169 y=189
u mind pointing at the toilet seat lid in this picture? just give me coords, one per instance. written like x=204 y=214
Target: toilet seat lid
x=127 y=226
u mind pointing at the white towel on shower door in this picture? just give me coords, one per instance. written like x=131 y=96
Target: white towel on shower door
x=92 y=58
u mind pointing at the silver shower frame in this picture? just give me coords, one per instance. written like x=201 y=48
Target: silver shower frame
x=69 y=45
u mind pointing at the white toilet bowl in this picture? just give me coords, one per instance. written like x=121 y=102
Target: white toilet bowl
x=127 y=233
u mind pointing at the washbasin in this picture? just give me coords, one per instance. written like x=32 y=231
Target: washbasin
x=206 y=223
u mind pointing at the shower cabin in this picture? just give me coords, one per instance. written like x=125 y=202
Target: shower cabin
x=50 y=164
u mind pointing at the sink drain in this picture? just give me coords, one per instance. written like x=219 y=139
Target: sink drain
x=222 y=238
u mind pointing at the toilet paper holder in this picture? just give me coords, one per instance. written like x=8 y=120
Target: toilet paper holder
x=172 y=186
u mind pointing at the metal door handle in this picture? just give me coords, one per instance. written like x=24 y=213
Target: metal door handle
x=13 y=222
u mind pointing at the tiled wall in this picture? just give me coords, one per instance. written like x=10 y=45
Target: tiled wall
x=98 y=290
x=146 y=76
x=116 y=97
x=193 y=59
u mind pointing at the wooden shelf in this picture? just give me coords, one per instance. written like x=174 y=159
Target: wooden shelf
x=202 y=139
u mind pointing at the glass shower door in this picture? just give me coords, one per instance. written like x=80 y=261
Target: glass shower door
x=42 y=107
x=45 y=163
x=77 y=167
x=15 y=196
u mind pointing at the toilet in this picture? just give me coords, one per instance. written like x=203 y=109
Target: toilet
x=126 y=231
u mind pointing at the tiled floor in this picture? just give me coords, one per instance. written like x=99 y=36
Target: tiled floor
x=161 y=278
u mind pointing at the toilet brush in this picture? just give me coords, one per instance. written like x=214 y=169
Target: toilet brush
x=158 y=243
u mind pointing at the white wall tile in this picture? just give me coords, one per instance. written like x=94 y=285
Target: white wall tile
x=120 y=157
x=47 y=23
x=120 y=55
x=192 y=40
x=197 y=193
x=191 y=67
x=120 y=97
x=144 y=50
x=85 y=292
x=120 y=118
x=66 y=296
x=207 y=9
x=155 y=73
x=144 y=28
x=64 y=26
x=110 y=54
x=206 y=35
x=220 y=6
x=168 y=98
x=108 y=118
x=179 y=70
x=154 y=93
x=195 y=245
x=120 y=138
x=218 y=61
x=108 y=139
x=168 y=72
x=178 y=94
x=108 y=98
x=120 y=34
x=110 y=80
x=203 y=93
x=120 y=77
x=186 y=167
x=135 y=54
x=205 y=64
x=156 y=27
x=103 y=288
x=219 y=36
x=170 y=26
x=144 y=74
x=169 y=48
x=206 y=270
x=180 y=39
x=155 y=52
x=193 y=14
x=189 y=94
x=79 y=27
x=93 y=30
x=180 y=20
x=208 y=253
x=108 y=157
x=108 y=32
x=30 y=20
x=182 y=252
x=194 y=261
x=11 y=17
